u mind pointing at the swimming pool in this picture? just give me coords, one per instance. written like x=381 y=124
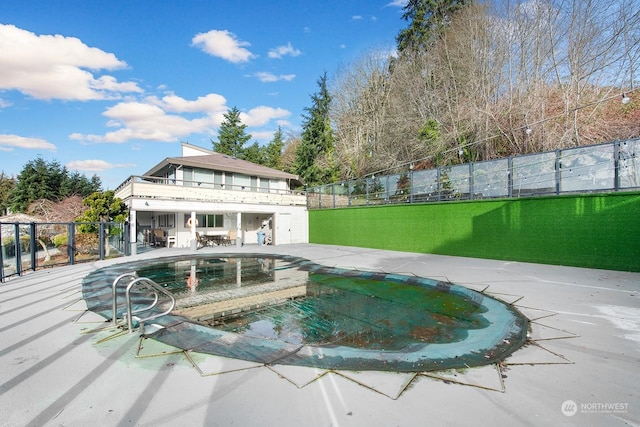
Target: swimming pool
x=277 y=309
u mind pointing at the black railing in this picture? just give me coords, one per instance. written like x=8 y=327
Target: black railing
x=34 y=245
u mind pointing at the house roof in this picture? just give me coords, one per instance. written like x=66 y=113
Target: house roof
x=220 y=162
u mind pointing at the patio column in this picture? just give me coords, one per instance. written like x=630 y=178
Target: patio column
x=239 y=236
x=133 y=232
x=194 y=241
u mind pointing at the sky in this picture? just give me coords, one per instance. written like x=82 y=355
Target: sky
x=112 y=87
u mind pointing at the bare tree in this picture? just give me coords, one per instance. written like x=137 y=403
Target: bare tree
x=503 y=78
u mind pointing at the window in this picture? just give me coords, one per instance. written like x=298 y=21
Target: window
x=203 y=178
x=264 y=185
x=242 y=182
x=206 y=220
x=217 y=179
x=166 y=221
x=187 y=177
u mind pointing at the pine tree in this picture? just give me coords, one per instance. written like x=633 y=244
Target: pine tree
x=273 y=151
x=314 y=156
x=40 y=179
x=6 y=185
x=254 y=154
x=231 y=136
x=427 y=19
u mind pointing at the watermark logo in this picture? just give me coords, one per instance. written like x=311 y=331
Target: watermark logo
x=569 y=408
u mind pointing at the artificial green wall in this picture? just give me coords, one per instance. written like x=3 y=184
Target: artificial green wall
x=595 y=230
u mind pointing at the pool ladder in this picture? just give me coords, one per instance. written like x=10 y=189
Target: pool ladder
x=142 y=284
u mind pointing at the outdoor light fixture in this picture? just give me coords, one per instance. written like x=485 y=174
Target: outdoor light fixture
x=460 y=152
x=528 y=130
x=625 y=99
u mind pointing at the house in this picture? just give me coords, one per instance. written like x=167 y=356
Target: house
x=204 y=196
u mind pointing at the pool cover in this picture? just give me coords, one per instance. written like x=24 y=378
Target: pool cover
x=335 y=319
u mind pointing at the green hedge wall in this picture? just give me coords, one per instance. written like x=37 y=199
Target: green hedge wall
x=594 y=230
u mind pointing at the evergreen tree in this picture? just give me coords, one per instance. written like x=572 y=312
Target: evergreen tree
x=37 y=180
x=231 y=136
x=104 y=207
x=76 y=184
x=314 y=155
x=273 y=151
x=50 y=181
x=427 y=19
x=254 y=153
x=6 y=185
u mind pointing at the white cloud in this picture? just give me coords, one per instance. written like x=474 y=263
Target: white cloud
x=11 y=142
x=263 y=135
x=267 y=77
x=171 y=118
x=211 y=103
x=261 y=115
x=356 y=17
x=398 y=3
x=95 y=165
x=56 y=67
x=148 y=122
x=223 y=44
x=280 y=51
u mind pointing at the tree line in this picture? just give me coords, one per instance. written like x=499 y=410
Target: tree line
x=49 y=191
x=42 y=180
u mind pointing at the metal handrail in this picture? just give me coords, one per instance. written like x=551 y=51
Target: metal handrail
x=114 y=316
x=128 y=314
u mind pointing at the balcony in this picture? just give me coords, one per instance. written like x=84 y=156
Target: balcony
x=146 y=187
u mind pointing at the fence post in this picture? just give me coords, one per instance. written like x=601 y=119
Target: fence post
x=127 y=235
x=439 y=179
x=101 y=241
x=33 y=245
x=1 y=257
x=510 y=176
x=558 y=170
x=16 y=244
x=471 y=183
x=616 y=165
x=72 y=243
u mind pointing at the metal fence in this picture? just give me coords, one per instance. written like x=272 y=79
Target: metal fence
x=34 y=245
x=612 y=166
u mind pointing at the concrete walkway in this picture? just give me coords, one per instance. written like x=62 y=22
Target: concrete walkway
x=60 y=366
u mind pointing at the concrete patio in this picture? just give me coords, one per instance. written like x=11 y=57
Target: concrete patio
x=60 y=366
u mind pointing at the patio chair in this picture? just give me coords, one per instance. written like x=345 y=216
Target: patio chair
x=229 y=237
x=201 y=241
x=159 y=237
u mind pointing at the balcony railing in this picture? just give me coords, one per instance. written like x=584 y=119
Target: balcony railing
x=174 y=189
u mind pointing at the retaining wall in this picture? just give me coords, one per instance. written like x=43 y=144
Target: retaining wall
x=586 y=230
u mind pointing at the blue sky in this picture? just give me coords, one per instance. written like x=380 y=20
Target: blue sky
x=111 y=87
